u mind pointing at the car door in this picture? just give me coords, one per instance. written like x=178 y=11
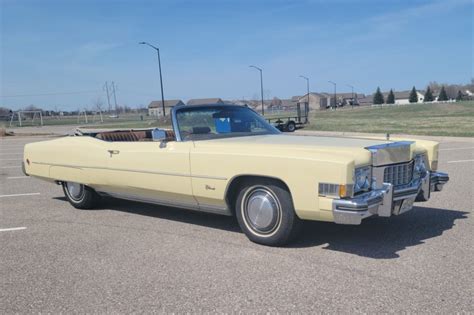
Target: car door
x=151 y=172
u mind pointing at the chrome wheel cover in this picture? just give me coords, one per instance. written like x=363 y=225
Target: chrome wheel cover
x=75 y=190
x=261 y=210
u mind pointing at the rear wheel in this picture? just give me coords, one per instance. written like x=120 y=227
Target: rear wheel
x=266 y=214
x=291 y=126
x=80 y=196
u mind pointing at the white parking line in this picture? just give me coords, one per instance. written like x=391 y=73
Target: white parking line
x=452 y=149
x=460 y=161
x=10 y=167
x=11 y=154
x=18 y=177
x=13 y=229
x=19 y=195
x=10 y=160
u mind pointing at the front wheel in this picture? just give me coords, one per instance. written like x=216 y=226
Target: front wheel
x=80 y=196
x=266 y=214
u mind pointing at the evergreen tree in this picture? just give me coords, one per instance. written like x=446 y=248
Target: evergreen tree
x=378 y=97
x=459 y=96
x=442 y=95
x=391 y=97
x=413 y=98
x=428 y=95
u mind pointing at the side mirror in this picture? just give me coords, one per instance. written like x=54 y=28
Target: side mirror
x=158 y=134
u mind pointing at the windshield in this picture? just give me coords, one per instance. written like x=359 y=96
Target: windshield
x=213 y=122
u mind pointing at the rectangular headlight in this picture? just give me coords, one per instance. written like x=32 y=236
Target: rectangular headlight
x=362 y=178
x=420 y=166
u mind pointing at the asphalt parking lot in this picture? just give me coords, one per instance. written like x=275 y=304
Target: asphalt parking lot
x=132 y=257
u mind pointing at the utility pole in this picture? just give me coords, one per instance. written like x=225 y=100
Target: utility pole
x=352 y=103
x=261 y=85
x=335 y=95
x=106 y=87
x=307 y=91
x=115 y=97
x=161 y=78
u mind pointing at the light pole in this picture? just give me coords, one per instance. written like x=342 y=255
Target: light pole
x=261 y=85
x=335 y=99
x=352 y=103
x=161 y=78
x=307 y=90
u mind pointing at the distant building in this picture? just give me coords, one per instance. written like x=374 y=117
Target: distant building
x=403 y=97
x=316 y=100
x=296 y=98
x=367 y=100
x=228 y=102
x=241 y=102
x=156 y=109
x=325 y=100
x=204 y=101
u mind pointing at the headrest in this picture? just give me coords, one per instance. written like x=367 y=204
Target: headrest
x=201 y=130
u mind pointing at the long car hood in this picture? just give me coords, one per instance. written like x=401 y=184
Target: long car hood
x=353 y=148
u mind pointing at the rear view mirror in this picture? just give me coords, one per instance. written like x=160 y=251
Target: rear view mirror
x=158 y=134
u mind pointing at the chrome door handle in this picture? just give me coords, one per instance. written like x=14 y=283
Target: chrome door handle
x=113 y=152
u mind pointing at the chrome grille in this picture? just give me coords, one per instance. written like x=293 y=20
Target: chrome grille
x=398 y=174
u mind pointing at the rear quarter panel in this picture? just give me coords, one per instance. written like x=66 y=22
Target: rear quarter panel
x=77 y=159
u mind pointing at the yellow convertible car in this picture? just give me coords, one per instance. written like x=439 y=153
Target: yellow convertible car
x=228 y=160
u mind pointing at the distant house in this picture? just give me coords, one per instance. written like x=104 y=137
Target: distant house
x=204 y=101
x=403 y=97
x=344 y=99
x=156 y=109
x=316 y=100
x=228 y=102
x=325 y=100
x=296 y=98
x=364 y=101
x=241 y=102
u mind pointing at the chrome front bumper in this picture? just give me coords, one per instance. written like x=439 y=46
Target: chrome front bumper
x=388 y=200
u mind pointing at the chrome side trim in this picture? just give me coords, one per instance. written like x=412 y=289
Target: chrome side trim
x=391 y=153
x=169 y=203
x=209 y=177
x=132 y=170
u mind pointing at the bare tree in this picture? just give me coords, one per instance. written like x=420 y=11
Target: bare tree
x=31 y=107
x=452 y=90
x=434 y=86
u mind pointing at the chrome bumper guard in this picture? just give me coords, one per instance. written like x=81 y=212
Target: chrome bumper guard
x=388 y=200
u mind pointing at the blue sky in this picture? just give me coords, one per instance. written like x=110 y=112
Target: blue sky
x=207 y=46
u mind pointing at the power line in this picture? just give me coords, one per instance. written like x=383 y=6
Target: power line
x=48 y=94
